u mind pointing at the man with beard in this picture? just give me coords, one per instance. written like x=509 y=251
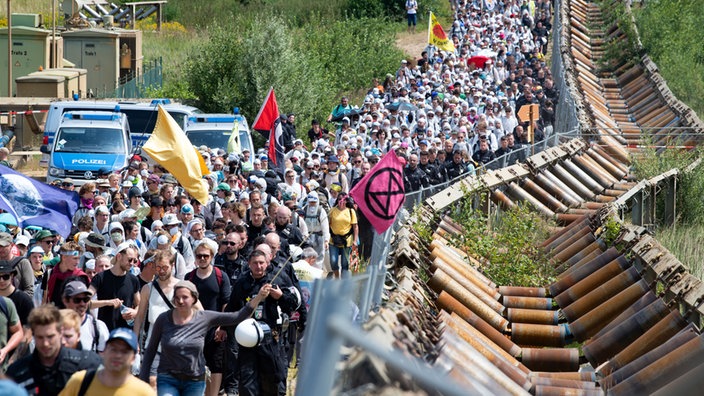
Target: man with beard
x=413 y=178
x=289 y=233
x=429 y=169
x=230 y=260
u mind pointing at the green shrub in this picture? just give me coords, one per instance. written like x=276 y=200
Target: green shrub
x=509 y=243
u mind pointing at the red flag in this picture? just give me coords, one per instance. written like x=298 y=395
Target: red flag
x=268 y=114
x=380 y=194
x=267 y=122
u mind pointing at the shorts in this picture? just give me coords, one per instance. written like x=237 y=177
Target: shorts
x=214 y=353
x=412 y=18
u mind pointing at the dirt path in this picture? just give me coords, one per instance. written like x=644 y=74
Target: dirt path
x=412 y=44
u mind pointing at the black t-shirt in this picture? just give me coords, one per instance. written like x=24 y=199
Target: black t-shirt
x=212 y=296
x=109 y=286
x=23 y=303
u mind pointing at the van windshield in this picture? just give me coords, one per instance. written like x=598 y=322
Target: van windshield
x=90 y=140
x=216 y=139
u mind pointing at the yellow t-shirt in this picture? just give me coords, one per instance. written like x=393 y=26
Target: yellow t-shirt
x=341 y=222
x=132 y=387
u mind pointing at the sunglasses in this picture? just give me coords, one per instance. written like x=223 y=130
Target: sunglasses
x=228 y=243
x=133 y=260
x=78 y=300
x=5 y=276
x=48 y=242
x=202 y=256
x=358 y=162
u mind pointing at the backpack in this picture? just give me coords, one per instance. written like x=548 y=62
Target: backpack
x=218 y=275
x=5 y=311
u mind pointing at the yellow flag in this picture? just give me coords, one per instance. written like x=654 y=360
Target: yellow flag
x=437 y=36
x=233 y=144
x=170 y=148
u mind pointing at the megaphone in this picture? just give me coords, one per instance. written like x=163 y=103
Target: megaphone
x=250 y=333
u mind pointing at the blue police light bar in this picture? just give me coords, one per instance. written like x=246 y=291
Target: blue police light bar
x=211 y=119
x=161 y=102
x=91 y=117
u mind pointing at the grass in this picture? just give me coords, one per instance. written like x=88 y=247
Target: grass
x=684 y=242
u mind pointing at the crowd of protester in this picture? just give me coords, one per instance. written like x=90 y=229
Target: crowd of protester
x=156 y=282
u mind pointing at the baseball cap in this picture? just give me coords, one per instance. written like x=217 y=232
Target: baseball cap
x=36 y=249
x=187 y=209
x=223 y=186
x=170 y=219
x=333 y=158
x=125 y=335
x=6 y=267
x=5 y=239
x=75 y=288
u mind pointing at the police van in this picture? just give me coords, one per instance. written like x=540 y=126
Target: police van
x=87 y=143
x=141 y=117
x=214 y=131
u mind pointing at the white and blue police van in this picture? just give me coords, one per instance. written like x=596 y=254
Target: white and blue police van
x=141 y=117
x=214 y=131
x=89 y=143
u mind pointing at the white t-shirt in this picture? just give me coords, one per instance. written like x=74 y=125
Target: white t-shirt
x=88 y=333
x=411 y=6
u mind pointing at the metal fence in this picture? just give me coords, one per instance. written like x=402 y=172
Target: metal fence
x=329 y=323
x=136 y=85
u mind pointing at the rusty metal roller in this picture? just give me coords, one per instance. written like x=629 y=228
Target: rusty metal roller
x=606 y=179
x=589 y=257
x=449 y=255
x=507 y=364
x=440 y=281
x=463 y=272
x=470 y=285
x=679 y=339
x=450 y=304
x=578 y=376
x=563 y=383
x=546 y=390
x=527 y=302
x=552 y=183
x=544 y=196
x=567 y=218
x=578 y=227
x=595 y=246
x=474 y=365
x=564 y=253
x=685 y=384
x=527 y=334
x=551 y=359
x=586 y=285
x=523 y=291
x=664 y=370
x=609 y=163
x=534 y=316
x=578 y=272
x=658 y=334
x=590 y=323
x=582 y=176
x=448 y=228
x=600 y=294
x=557 y=237
x=572 y=181
x=644 y=301
x=501 y=199
x=602 y=348
x=478 y=336
x=517 y=192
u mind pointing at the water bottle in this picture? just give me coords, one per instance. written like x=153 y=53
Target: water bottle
x=123 y=310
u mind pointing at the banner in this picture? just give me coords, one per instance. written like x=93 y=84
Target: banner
x=437 y=36
x=170 y=148
x=380 y=194
x=34 y=203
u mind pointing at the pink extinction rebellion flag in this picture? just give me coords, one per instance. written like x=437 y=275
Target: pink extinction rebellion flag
x=380 y=194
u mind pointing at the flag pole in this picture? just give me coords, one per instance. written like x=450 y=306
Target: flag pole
x=430 y=19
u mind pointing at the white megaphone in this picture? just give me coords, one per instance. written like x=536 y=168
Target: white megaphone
x=250 y=333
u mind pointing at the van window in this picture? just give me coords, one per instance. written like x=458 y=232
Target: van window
x=217 y=138
x=90 y=140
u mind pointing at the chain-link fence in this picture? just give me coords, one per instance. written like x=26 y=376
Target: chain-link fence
x=135 y=86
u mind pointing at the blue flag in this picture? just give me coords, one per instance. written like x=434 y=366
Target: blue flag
x=34 y=203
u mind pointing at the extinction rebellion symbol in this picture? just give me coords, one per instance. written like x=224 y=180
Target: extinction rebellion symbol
x=384 y=193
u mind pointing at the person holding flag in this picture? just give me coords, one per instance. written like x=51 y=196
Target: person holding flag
x=268 y=123
x=437 y=36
